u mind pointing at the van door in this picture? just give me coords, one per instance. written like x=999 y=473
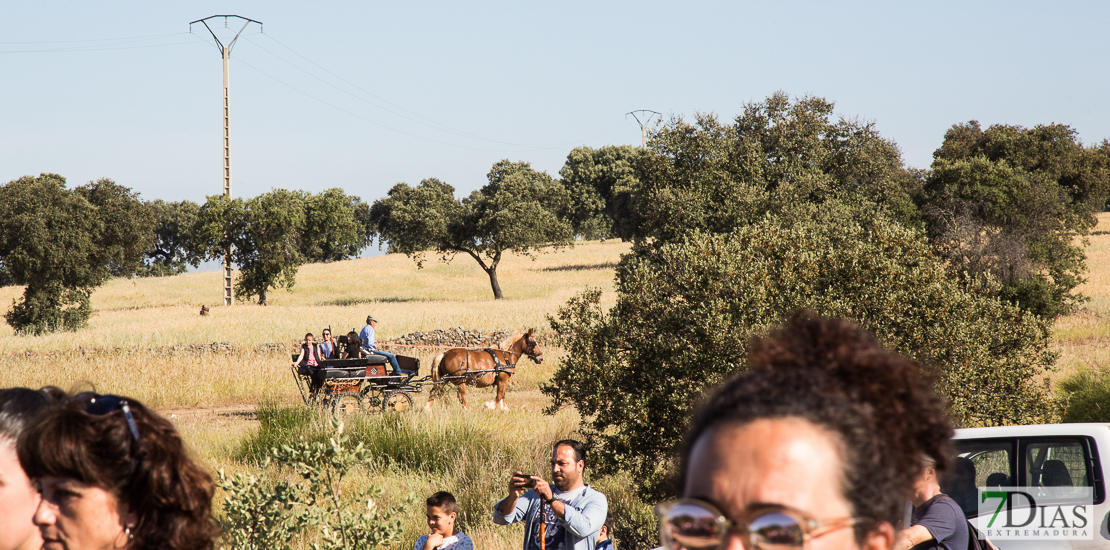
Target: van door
x=1056 y=470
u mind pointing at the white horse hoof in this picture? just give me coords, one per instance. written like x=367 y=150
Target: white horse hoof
x=491 y=405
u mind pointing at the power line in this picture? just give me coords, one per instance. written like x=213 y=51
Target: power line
x=147 y=37
x=430 y=123
x=402 y=132
x=96 y=48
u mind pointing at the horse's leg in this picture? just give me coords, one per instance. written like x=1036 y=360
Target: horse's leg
x=462 y=396
x=502 y=385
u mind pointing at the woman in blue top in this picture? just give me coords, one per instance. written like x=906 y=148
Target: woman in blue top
x=327 y=347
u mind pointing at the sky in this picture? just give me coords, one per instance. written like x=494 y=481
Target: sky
x=363 y=95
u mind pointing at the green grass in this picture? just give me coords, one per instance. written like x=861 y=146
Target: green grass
x=471 y=455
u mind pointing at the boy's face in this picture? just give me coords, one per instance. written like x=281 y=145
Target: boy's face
x=440 y=521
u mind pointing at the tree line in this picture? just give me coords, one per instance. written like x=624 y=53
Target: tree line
x=1000 y=208
x=62 y=243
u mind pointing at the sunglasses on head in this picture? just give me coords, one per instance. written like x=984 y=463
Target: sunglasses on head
x=100 y=405
x=691 y=524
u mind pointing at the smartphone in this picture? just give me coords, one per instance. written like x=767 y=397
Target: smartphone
x=528 y=481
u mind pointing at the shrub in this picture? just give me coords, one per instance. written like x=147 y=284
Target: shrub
x=1085 y=395
x=260 y=516
x=469 y=455
x=685 y=312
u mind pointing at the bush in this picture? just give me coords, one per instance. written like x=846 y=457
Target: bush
x=468 y=455
x=48 y=308
x=259 y=516
x=1085 y=396
x=685 y=312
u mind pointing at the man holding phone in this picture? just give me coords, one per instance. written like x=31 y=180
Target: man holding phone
x=565 y=516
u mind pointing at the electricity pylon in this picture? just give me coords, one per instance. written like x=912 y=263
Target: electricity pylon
x=225 y=52
x=647 y=114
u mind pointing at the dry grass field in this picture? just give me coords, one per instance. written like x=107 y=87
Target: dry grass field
x=1083 y=338
x=136 y=342
x=142 y=341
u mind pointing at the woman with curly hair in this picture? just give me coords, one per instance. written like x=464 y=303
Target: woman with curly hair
x=817 y=446
x=115 y=475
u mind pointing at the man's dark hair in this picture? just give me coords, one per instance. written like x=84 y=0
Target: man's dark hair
x=442 y=499
x=877 y=405
x=19 y=406
x=579 y=449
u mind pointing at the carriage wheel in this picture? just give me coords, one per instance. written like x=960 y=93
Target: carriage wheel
x=346 y=403
x=371 y=398
x=398 y=401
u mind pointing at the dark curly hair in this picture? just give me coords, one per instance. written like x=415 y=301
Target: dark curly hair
x=154 y=476
x=832 y=373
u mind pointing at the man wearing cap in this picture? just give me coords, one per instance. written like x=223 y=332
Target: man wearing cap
x=371 y=346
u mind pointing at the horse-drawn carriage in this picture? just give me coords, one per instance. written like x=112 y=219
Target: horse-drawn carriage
x=358 y=385
x=365 y=384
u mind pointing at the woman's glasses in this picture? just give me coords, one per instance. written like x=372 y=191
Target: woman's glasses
x=100 y=405
x=690 y=524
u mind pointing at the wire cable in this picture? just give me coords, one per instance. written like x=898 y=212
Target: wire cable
x=147 y=37
x=430 y=122
x=95 y=49
x=362 y=118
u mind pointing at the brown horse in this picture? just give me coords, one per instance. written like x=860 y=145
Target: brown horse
x=460 y=362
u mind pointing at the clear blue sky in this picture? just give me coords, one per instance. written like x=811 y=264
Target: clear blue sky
x=357 y=94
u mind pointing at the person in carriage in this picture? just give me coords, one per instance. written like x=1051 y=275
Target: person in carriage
x=350 y=346
x=328 y=349
x=370 y=346
x=308 y=362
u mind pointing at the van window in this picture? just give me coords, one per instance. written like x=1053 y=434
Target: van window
x=1056 y=463
x=979 y=463
x=994 y=461
x=1026 y=462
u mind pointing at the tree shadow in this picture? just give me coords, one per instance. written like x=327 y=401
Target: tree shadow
x=582 y=267
x=356 y=301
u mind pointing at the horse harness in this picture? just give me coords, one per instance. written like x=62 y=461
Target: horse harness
x=498 y=367
x=497 y=363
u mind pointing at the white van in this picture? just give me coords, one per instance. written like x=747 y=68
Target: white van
x=1052 y=455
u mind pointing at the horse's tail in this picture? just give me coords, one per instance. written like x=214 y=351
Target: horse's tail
x=435 y=366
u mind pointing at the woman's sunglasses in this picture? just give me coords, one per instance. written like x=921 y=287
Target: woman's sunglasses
x=690 y=524
x=100 y=405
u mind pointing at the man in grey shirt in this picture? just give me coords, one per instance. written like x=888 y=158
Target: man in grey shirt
x=938 y=521
x=566 y=516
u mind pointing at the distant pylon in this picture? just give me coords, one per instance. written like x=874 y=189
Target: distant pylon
x=225 y=52
x=647 y=114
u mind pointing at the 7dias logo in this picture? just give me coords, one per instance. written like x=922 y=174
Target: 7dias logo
x=1036 y=513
